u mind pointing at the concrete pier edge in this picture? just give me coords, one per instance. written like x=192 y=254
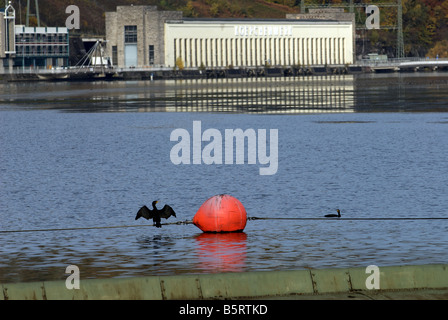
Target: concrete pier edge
x=239 y=285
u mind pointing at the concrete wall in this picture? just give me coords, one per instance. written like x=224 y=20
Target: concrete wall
x=150 y=31
x=234 y=285
x=2 y=37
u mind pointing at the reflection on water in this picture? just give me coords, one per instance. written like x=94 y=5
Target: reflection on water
x=315 y=94
x=71 y=163
x=155 y=242
x=301 y=95
x=247 y=95
x=221 y=252
x=127 y=252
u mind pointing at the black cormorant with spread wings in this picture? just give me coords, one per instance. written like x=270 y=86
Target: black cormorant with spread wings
x=155 y=214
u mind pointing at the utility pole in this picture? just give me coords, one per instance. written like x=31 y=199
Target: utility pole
x=36 y=14
x=351 y=7
x=400 y=41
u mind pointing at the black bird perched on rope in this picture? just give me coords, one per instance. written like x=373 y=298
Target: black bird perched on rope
x=334 y=215
x=155 y=214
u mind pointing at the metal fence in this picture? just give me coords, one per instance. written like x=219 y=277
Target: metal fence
x=393 y=62
x=400 y=61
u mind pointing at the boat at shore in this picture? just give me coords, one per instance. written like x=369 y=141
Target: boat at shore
x=53 y=76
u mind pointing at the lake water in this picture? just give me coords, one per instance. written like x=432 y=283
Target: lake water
x=82 y=155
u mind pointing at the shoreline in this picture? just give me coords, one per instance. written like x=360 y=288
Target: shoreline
x=393 y=282
x=194 y=73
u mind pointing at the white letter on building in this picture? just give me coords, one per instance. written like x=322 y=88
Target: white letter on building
x=241 y=31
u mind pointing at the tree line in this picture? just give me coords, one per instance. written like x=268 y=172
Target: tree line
x=425 y=22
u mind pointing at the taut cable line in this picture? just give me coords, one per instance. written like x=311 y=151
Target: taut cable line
x=249 y=218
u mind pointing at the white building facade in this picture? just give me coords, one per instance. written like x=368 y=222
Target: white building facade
x=142 y=36
x=254 y=43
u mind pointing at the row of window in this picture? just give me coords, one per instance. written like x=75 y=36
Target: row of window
x=260 y=51
x=41 y=38
x=41 y=50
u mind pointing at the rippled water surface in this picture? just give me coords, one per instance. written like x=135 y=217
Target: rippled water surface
x=81 y=155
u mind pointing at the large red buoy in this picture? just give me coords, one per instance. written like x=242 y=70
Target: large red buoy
x=221 y=213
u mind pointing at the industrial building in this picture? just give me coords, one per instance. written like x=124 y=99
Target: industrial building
x=142 y=36
x=31 y=47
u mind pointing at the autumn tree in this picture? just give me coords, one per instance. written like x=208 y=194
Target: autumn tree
x=180 y=63
x=440 y=50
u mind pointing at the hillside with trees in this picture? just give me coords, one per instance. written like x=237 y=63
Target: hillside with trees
x=425 y=22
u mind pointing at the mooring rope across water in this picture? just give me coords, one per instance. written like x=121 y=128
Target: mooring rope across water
x=346 y=219
x=249 y=219
x=98 y=227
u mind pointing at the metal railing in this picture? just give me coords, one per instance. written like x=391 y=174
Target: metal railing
x=397 y=61
x=394 y=62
